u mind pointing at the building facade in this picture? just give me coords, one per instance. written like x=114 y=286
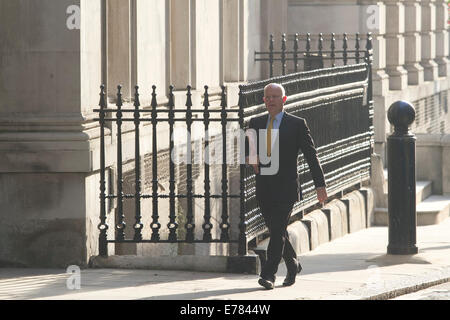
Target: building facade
x=54 y=54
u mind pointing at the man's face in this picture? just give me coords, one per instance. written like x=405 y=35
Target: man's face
x=274 y=100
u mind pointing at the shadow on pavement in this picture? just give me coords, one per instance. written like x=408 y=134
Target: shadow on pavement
x=204 y=294
x=31 y=283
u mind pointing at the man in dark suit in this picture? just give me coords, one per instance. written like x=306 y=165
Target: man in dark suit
x=278 y=137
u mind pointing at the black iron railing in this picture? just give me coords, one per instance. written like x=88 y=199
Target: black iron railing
x=191 y=116
x=289 y=57
x=337 y=104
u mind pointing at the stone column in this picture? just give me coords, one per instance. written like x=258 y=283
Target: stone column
x=429 y=40
x=275 y=15
x=231 y=43
x=120 y=55
x=413 y=44
x=152 y=60
x=380 y=77
x=375 y=22
x=251 y=38
x=395 y=45
x=442 y=41
x=374 y=13
x=206 y=31
x=232 y=47
x=241 y=36
x=51 y=71
x=182 y=44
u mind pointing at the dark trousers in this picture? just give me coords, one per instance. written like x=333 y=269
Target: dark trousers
x=276 y=216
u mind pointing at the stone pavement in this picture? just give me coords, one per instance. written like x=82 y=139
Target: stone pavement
x=353 y=267
x=439 y=292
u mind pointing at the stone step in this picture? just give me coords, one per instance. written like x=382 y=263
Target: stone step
x=432 y=210
x=423 y=190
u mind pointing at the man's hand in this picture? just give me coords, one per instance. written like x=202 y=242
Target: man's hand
x=254 y=165
x=322 y=194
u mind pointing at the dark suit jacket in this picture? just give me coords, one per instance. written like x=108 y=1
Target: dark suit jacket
x=294 y=136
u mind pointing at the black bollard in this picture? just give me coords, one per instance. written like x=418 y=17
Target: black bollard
x=401 y=154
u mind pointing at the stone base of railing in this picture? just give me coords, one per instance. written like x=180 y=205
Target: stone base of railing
x=249 y=264
x=351 y=213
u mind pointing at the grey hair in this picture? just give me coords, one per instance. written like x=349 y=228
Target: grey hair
x=273 y=84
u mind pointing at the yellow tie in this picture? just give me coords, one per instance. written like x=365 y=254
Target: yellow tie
x=269 y=137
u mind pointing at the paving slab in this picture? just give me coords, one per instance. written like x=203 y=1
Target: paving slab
x=439 y=292
x=351 y=267
x=432 y=210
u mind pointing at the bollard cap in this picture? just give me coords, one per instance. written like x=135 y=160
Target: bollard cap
x=401 y=115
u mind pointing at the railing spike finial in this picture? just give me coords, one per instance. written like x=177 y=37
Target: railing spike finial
x=271 y=46
x=189 y=96
x=369 y=48
x=223 y=97
x=206 y=98
x=137 y=103
x=333 y=48
x=296 y=53
x=320 y=43
x=307 y=62
x=241 y=95
x=308 y=43
x=154 y=102
x=283 y=54
x=357 y=47
x=119 y=96
x=102 y=102
x=345 y=47
x=369 y=41
x=171 y=102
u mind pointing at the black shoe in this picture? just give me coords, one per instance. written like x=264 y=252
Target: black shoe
x=290 y=278
x=266 y=283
